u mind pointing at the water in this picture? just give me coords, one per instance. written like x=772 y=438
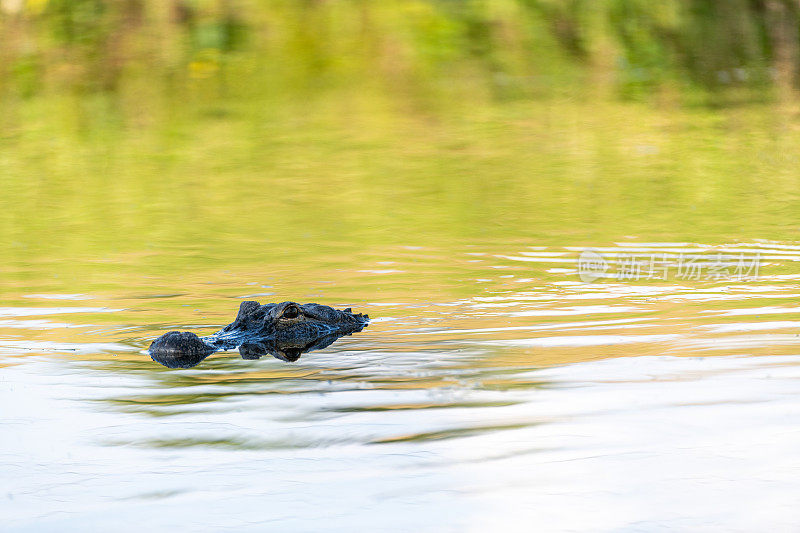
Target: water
x=493 y=388
x=535 y=401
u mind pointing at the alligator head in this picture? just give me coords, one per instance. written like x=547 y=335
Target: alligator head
x=285 y=330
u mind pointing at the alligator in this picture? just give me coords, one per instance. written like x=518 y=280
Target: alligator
x=284 y=330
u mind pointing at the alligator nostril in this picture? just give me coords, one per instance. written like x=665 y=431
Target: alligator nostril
x=291 y=312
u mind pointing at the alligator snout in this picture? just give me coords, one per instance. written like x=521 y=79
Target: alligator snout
x=182 y=342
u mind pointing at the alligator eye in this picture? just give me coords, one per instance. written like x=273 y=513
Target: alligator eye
x=291 y=312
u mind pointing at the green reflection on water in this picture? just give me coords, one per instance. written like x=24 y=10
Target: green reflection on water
x=338 y=189
x=291 y=145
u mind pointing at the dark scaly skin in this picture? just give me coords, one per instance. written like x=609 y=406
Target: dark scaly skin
x=285 y=330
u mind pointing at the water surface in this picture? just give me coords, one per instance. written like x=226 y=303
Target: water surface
x=441 y=166
x=493 y=389
x=531 y=399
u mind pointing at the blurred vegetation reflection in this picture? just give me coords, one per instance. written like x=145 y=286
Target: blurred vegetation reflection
x=234 y=130
x=515 y=47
